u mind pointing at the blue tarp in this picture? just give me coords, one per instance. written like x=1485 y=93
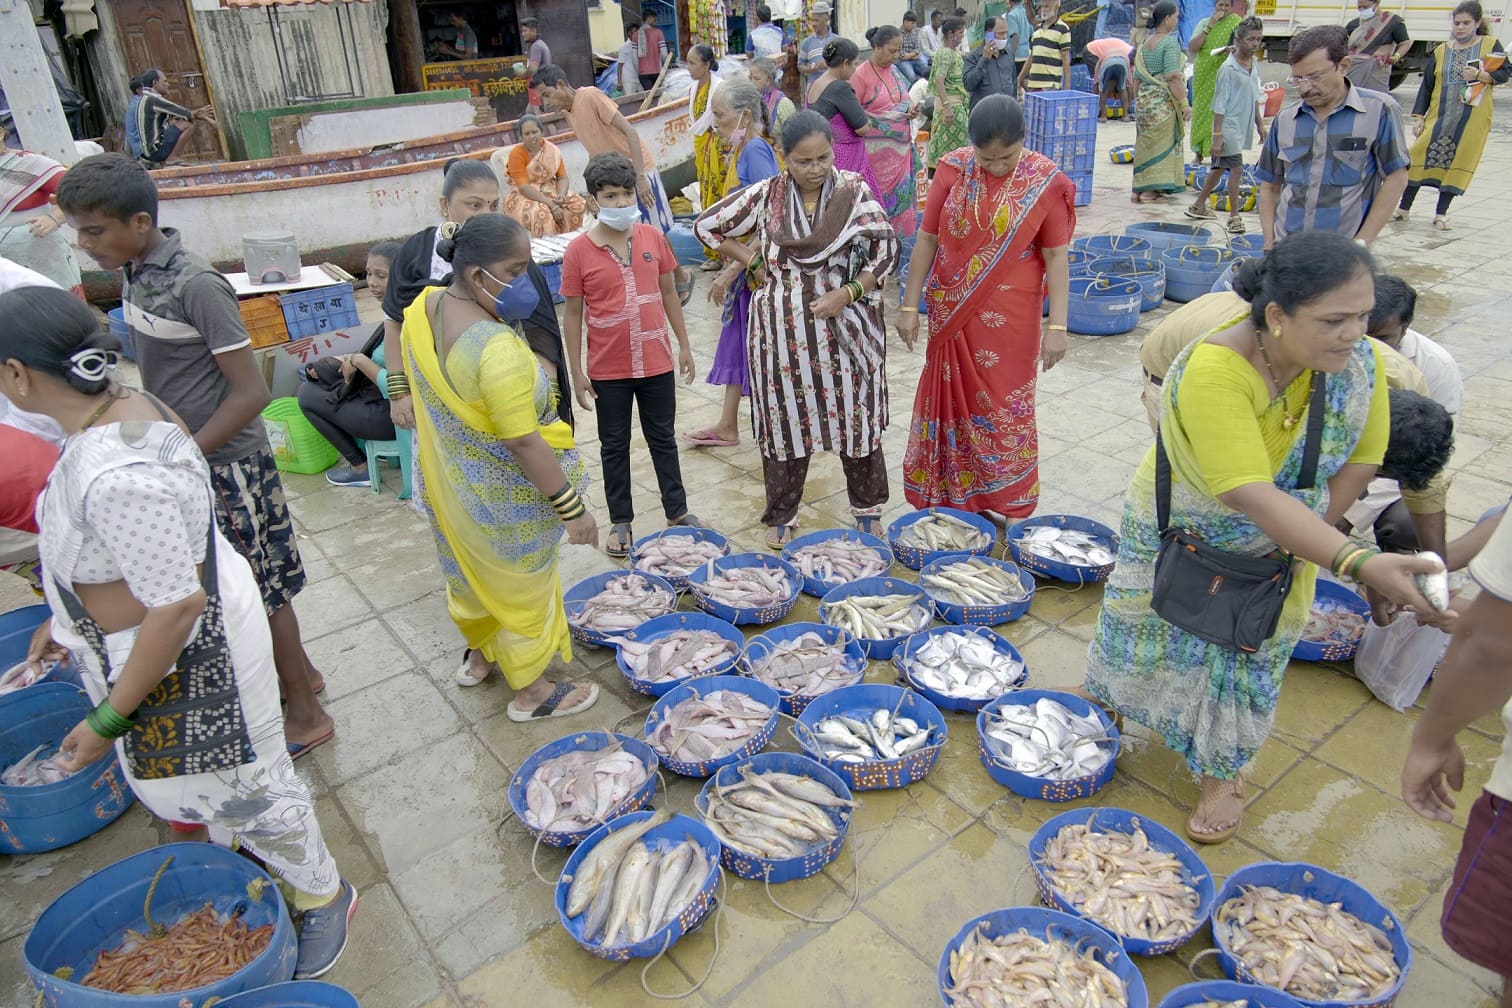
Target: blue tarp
x=1192 y=11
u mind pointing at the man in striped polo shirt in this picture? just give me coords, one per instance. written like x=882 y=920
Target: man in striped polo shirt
x=1336 y=160
x=1049 y=64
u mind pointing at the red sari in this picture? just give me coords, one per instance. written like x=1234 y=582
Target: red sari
x=973 y=443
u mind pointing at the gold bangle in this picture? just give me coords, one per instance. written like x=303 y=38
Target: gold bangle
x=909 y=308
x=1057 y=328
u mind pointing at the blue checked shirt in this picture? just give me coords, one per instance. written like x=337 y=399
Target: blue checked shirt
x=1329 y=172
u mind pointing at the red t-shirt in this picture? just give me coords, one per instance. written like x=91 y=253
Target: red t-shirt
x=29 y=460
x=622 y=305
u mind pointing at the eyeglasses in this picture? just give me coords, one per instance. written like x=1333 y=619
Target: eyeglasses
x=1311 y=78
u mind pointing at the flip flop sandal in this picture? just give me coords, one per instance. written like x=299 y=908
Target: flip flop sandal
x=620 y=540
x=1200 y=213
x=688 y=520
x=708 y=439
x=464 y=676
x=296 y=750
x=1234 y=788
x=779 y=536
x=710 y=266
x=1441 y=223
x=551 y=706
x=870 y=524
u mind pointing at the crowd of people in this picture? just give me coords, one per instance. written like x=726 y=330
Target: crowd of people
x=1298 y=419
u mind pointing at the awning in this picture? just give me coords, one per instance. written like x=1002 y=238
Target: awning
x=261 y=4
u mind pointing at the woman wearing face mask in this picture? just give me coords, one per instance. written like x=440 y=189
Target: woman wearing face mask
x=889 y=147
x=533 y=178
x=1377 y=39
x=1452 y=137
x=737 y=119
x=995 y=203
x=820 y=245
x=486 y=409
x=709 y=151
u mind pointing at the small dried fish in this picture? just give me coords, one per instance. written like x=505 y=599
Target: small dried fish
x=1434 y=586
x=579 y=789
x=675 y=556
x=1019 y=969
x=1070 y=546
x=1332 y=623
x=637 y=888
x=745 y=587
x=974 y=582
x=625 y=602
x=199 y=948
x=773 y=815
x=32 y=769
x=678 y=655
x=873 y=736
x=1119 y=881
x=878 y=617
x=943 y=533
x=806 y=666
x=838 y=561
x=1048 y=740
x=1311 y=950
x=702 y=728
x=964 y=665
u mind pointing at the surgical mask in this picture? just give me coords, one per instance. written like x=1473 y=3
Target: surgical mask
x=515 y=301
x=619 y=218
x=738 y=134
x=1367 y=13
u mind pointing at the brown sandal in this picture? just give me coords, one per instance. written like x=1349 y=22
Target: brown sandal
x=1212 y=792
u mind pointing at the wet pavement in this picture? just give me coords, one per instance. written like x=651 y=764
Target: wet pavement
x=411 y=793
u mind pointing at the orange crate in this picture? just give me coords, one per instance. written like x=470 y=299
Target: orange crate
x=264 y=320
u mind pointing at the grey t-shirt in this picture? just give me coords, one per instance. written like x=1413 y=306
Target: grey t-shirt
x=540 y=53
x=811 y=51
x=182 y=314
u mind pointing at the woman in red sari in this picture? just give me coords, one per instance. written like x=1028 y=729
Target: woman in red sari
x=1006 y=217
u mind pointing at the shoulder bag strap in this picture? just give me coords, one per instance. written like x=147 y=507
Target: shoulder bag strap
x=1162 y=485
x=1307 y=477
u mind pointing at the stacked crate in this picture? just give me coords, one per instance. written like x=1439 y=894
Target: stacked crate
x=1062 y=125
x=1081 y=78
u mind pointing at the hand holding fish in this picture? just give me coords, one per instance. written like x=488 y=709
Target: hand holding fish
x=81 y=748
x=1394 y=575
x=1433 y=770
x=44 y=649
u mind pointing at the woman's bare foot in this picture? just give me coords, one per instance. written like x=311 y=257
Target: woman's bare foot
x=1219 y=809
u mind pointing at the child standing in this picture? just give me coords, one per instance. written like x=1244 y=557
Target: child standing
x=619 y=274
x=1237 y=116
x=196 y=357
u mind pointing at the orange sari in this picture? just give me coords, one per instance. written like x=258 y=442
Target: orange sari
x=541 y=171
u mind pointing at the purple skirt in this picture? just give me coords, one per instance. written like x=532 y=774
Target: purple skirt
x=730 y=364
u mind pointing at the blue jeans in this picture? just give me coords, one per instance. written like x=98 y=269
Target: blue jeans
x=914 y=69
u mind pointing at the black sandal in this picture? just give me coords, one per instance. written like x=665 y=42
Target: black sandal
x=621 y=538
x=551 y=706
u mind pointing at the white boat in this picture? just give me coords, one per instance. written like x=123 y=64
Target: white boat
x=339 y=204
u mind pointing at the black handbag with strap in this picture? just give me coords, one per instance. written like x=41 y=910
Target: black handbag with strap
x=1225 y=599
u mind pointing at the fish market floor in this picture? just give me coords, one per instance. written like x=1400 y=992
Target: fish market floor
x=412 y=790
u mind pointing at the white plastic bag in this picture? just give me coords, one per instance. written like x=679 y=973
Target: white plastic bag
x=1395 y=660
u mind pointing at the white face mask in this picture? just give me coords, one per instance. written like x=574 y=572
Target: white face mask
x=619 y=218
x=1367 y=13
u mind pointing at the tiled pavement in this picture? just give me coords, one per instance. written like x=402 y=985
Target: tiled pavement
x=411 y=792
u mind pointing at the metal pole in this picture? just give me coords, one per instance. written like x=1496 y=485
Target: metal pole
x=29 y=87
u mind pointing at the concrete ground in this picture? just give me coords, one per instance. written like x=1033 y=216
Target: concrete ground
x=412 y=790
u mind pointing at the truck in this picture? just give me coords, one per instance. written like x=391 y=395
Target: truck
x=1427 y=25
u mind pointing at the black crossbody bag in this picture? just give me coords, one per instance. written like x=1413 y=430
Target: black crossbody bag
x=1232 y=601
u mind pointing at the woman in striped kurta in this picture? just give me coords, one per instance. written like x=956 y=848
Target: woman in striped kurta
x=820 y=244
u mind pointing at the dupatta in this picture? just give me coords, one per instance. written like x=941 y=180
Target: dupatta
x=22 y=173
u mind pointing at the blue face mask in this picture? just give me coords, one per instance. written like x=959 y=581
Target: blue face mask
x=515 y=301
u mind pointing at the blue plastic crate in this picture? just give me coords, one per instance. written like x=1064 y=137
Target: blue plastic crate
x=1072 y=153
x=1081 y=78
x=1060 y=113
x=1083 y=183
x=324 y=309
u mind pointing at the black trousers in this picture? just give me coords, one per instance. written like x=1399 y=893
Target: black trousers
x=343 y=423
x=1410 y=194
x=655 y=398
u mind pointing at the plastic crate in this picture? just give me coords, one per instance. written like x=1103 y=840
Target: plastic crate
x=1071 y=153
x=1083 y=183
x=264 y=320
x=1050 y=114
x=1081 y=78
x=553 y=273
x=324 y=309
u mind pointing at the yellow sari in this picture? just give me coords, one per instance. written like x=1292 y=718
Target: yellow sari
x=496 y=535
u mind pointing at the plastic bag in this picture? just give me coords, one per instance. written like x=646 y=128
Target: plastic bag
x=1395 y=660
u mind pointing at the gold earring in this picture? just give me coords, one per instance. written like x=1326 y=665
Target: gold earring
x=1275 y=332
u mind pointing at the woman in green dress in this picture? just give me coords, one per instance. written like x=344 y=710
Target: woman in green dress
x=1209 y=48
x=947 y=131
x=1161 y=109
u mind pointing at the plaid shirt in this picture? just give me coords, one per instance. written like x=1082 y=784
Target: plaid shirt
x=1330 y=176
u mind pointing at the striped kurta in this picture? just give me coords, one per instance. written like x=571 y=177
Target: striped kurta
x=816 y=384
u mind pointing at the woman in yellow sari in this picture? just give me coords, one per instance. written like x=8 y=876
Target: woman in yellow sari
x=533 y=179
x=499 y=475
x=709 y=151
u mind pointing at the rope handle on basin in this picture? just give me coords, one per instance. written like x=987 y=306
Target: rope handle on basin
x=855 y=897
x=718 y=914
x=1199 y=957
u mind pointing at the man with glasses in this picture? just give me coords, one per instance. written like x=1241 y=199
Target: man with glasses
x=1337 y=160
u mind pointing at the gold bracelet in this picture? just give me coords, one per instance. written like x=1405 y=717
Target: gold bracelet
x=1057 y=328
x=909 y=308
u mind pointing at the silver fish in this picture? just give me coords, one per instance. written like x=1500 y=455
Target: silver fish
x=939 y=533
x=879 y=736
x=974 y=582
x=579 y=789
x=1070 y=546
x=807 y=666
x=878 y=617
x=756 y=815
x=32 y=770
x=702 y=728
x=678 y=655
x=1047 y=740
x=1434 y=586
x=601 y=860
x=962 y=664
x=675 y=556
x=746 y=587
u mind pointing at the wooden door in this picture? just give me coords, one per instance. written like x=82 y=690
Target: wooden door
x=157 y=33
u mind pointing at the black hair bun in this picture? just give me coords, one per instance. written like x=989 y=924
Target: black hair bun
x=446 y=248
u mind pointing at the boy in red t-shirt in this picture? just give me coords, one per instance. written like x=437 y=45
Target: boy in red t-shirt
x=622 y=271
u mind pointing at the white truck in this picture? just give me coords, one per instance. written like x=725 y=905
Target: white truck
x=1427 y=24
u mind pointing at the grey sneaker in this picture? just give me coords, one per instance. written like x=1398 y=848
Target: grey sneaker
x=346 y=476
x=323 y=935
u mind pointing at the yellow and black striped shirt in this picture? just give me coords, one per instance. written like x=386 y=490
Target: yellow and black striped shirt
x=1045 y=48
